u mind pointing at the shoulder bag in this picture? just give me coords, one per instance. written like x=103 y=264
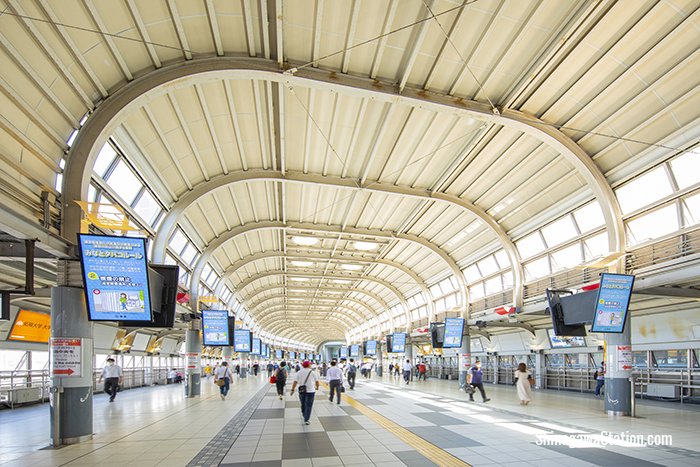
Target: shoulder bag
x=302 y=388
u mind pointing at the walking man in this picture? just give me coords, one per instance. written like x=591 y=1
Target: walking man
x=334 y=376
x=407 y=367
x=112 y=375
x=222 y=378
x=475 y=377
x=307 y=381
x=352 y=373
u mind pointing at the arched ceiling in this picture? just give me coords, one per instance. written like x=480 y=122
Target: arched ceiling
x=436 y=130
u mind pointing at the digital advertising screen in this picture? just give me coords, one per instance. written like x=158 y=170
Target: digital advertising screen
x=242 y=340
x=398 y=342
x=292 y=355
x=565 y=342
x=302 y=356
x=256 y=346
x=355 y=350
x=215 y=330
x=454 y=327
x=279 y=354
x=475 y=345
x=31 y=326
x=115 y=274
x=612 y=303
x=370 y=347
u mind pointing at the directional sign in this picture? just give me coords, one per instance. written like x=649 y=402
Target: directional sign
x=66 y=356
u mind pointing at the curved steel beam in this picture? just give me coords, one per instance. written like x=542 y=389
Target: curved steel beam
x=359 y=315
x=132 y=95
x=351 y=315
x=274 y=225
x=372 y=311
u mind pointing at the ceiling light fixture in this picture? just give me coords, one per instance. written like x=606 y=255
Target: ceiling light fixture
x=300 y=279
x=352 y=267
x=305 y=241
x=365 y=246
x=302 y=264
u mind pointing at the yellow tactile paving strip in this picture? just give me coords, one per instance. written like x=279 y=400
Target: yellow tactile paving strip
x=428 y=449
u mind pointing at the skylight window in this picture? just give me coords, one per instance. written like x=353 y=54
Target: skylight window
x=644 y=190
x=305 y=241
x=178 y=241
x=147 y=207
x=559 y=231
x=596 y=246
x=589 y=217
x=502 y=259
x=124 y=183
x=531 y=245
x=567 y=257
x=536 y=269
x=488 y=265
x=653 y=225
x=686 y=169
x=472 y=274
x=104 y=159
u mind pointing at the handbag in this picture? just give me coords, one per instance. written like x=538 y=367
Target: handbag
x=273 y=379
x=220 y=382
x=302 y=388
x=342 y=388
x=531 y=380
x=469 y=389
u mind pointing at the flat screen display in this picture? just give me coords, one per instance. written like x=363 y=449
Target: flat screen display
x=292 y=355
x=31 y=326
x=370 y=347
x=475 y=345
x=279 y=354
x=215 y=328
x=256 y=346
x=612 y=303
x=115 y=274
x=302 y=356
x=398 y=342
x=343 y=353
x=242 y=340
x=454 y=327
x=355 y=350
x=565 y=342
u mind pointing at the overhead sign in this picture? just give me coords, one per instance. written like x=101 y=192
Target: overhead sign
x=371 y=347
x=242 y=340
x=66 y=358
x=612 y=303
x=279 y=354
x=454 y=328
x=398 y=342
x=215 y=327
x=31 y=326
x=115 y=273
x=343 y=352
x=355 y=350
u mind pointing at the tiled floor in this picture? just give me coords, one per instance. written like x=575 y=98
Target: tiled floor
x=158 y=426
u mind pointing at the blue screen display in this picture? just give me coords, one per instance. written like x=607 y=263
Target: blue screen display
x=292 y=355
x=343 y=352
x=302 y=356
x=454 y=328
x=215 y=327
x=241 y=340
x=355 y=350
x=398 y=342
x=115 y=273
x=256 y=346
x=612 y=303
x=371 y=348
x=279 y=354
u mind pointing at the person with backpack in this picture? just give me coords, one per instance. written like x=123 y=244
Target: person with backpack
x=281 y=379
x=599 y=376
x=351 y=370
x=308 y=383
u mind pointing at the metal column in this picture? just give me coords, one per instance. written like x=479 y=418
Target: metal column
x=618 y=394
x=465 y=358
x=193 y=363
x=380 y=358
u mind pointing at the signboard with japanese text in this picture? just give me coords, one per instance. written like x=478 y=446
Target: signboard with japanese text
x=371 y=347
x=355 y=350
x=612 y=303
x=66 y=358
x=256 y=347
x=454 y=327
x=242 y=340
x=624 y=357
x=31 y=326
x=115 y=274
x=193 y=362
x=215 y=328
x=398 y=343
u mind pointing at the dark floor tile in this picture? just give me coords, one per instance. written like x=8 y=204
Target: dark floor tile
x=371 y=402
x=339 y=423
x=443 y=438
x=303 y=445
x=292 y=404
x=440 y=419
x=350 y=410
x=602 y=457
x=267 y=413
x=414 y=459
x=254 y=464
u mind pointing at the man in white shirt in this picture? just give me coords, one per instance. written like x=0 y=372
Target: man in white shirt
x=334 y=376
x=112 y=375
x=308 y=380
x=222 y=378
x=407 y=367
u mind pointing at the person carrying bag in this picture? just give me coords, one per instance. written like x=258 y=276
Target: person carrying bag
x=307 y=389
x=222 y=378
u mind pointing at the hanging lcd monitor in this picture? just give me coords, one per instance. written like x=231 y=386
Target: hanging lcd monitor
x=343 y=353
x=565 y=342
x=398 y=342
x=31 y=326
x=215 y=328
x=292 y=355
x=115 y=274
x=242 y=340
x=454 y=328
x=256 y=346
x=302 y=356
x=355 y=350
x=371 y=347
x=279 y=354
x=612 y=303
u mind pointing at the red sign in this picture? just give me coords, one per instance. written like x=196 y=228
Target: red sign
x=66 y=356
x=182 y=297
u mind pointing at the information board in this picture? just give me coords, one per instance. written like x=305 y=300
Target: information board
x=343 y=352
x=115 y=273
x=66 y=358
x=612 y=303
x=302 y=356
x=371 y=347
x=31 y=326
x=355 y=350
x=279 y=354
x=454 y=327
x=193 y=362
x=398 y=342
x=242 y=340
x=292 y=355
x=256 y=346
x=624 y=357
x=215 y=329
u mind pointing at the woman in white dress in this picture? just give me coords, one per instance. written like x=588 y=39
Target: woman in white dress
x=523 y=382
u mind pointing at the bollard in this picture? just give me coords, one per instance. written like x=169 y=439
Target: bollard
x=633 y=400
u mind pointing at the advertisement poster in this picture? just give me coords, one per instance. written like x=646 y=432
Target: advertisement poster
x=465 y=361
x=115 y=273
x=279 y=354
x=31 y=326
x=624 y=357
x=256 y=346
x=241 y=340
x=371 y=348
x=66 y=356
x=398 y=344
x=612 y=303
x=193 y=362
x=343 y=352
x=453 y=332
x=355 y=350
x=215 y=327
